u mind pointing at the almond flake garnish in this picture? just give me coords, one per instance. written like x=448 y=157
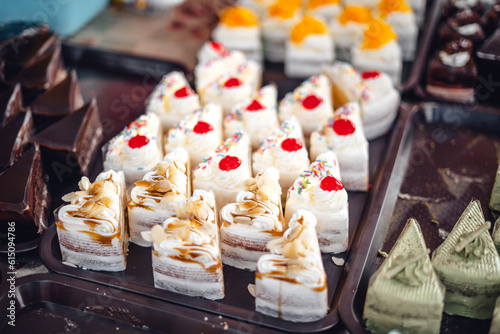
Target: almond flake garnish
x=252 y=290
x=242 y=220
x=157 y=234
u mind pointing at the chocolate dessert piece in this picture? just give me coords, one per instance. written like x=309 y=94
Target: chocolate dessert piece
x=11 y=104
x=58 y=101
x=24 y=197
x=491 y=19
x=463 y=24
x=452 y=72
x=488 y=62
x=69 y=145
x=14 y=138
x=453 y=6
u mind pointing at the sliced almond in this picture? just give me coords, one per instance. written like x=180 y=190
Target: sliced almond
x=87 y=206
x=163 y=186
x=157 y=234
x=242 y=220
x=257 y=211
x=247 y=205
x=250 y=182
x=252 y=290
x=84 y=183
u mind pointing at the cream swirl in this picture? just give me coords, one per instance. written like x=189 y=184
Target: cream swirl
x=339 y=141
x=459 y=59
x=413 y=273
x=105 y=223
x=144 y=157
x=476 y=249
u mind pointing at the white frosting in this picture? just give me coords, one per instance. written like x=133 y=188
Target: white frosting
x=208 y=52
x=364 y=3
x=403 y=23
x=317 y=47
x=349 y=34
x=277 y=27
x=465 y=4
x=386 y=54
x=241 y=38
x=469 y=29
x=210 y=70
x=328 y=12
x=458 y=59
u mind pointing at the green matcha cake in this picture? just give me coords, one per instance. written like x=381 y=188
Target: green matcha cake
x=469 y=266
x=405 y=293
x=495 y=323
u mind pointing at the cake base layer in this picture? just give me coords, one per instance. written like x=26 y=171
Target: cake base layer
x=464 y=95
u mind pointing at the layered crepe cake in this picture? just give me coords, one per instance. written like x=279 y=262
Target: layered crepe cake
x=310 y=103
x=343 y=134
x=257 y=116
x=91 y=227
x=405 y=293
x=320 y=191
x=172 y=100
x=290 y=282
x=468 y=264
x=136 y=149
x=309 y=46
x=375 y=92
x=199 y=133
x=285 y=150
x=225 y=170
x=254 y=219
x=153 y=199
x=186 y=249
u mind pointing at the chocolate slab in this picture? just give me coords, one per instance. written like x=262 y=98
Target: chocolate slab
x=11 y=104
x=25 y=199
x=453 y=6
x=14 y=138
x=70 y=145
x=462 y=145
x=488 y=62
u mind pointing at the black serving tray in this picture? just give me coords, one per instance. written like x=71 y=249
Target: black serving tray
x=441 y=157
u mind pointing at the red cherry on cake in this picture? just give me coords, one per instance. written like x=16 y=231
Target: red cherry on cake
x=229 y=163
x=291 y=144
x=233 y=82
x=255 y=106
x=331 y=183
x=138 y=141
x=370 y=75
x=311 y=102
x=183 y=92
x=202 y=127
x=343 y=127
x=218 y=47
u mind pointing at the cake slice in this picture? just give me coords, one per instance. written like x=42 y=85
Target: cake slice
x=496 y=235
x=225 y=170
x=320 y=191
x=212 y=50
x=14 y=138
x=153 y=199
x=375 y=92
x=11 y=104
x=495 y=322
x=136 y=149
x=405 y=293
x=255 y=218
x=343 y=134
x=70 y=145
x=290 y=282
x=310 y=103
x=24 y=199
x=91 y=227
x=329 y=10
x=232 y=86
x=186 y=249
x=285 y=150
x=257 y=116
x=199 y=133
x=308 y=47
x=172 y=100
x=468 y=264
x=239 y=29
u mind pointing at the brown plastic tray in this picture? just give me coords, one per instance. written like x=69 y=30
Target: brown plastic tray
x=427 y=47
x=441 y=156
x=49 y=303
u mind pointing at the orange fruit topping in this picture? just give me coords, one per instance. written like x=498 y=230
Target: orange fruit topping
x=386 y=7
x=377 y=34
x=308 y=26
x=284 y=9
x=238 y=17
x=355 y=14
x=312 y=4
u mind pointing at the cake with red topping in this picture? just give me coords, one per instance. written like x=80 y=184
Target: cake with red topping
x=153 y=199
x=186 y=249
x=285 y=150
x=310 y=103
x=343 y=134
x=172 y=100
x=257 y=116
x=225 y=170
x=136 y=149
x=379 y=51
x=91 y=227
x=290 y=282
x=199 y=133
x=239 y=29
x=255 y=218
x=320 y=191
x=308 y=47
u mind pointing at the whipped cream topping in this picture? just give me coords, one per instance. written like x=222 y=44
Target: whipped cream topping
x=295 y=256
x=271 y=153
x=191 y=236
x=469 y=29
x=120 y=155
x=349 y=34
x=212 y=50
x=459 y=59
x=465 y=4
x=211 y=69
x=258 y=205
x=376 y=88
x=349 y=112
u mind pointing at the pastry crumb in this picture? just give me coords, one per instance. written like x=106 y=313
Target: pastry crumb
x=206 y=318
x=434 y=221
x=382 y=254
x=338 y=261
x=443 y=234
x=226 y=326
x=251 y=289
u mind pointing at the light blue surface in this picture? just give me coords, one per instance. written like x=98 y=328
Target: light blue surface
x=65 y=17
